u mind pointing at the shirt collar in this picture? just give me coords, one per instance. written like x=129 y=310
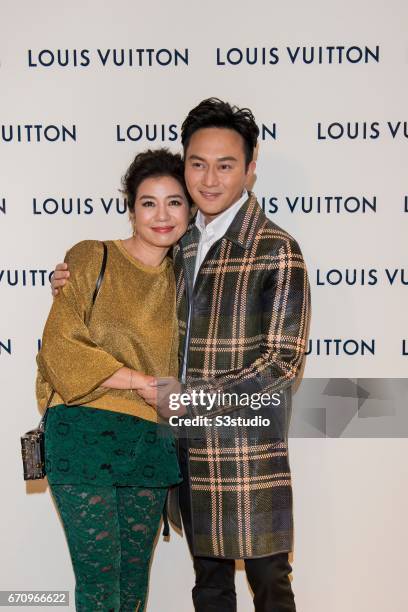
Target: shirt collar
x=218 y=226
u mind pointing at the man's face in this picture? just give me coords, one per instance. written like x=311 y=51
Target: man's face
x=215 y=169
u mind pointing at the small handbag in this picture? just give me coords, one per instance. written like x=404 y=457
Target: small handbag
x=33 y=451
x=33 y=442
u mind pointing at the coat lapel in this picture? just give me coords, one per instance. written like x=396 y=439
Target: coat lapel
x=241 y=232
x=246 y=223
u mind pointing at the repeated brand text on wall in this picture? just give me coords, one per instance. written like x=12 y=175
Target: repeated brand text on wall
x=78 y=205
x=162 y=132
x=336 y=204
x=361 y=276
x=107 y=58
x=38 y=133
x=339 y=346
x=362 y=130
x=335 y=54
x=224 y=57
x=24 y=277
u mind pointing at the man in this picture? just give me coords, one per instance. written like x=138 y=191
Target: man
x=243 y=309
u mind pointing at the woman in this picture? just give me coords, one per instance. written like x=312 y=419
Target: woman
x=109 y=462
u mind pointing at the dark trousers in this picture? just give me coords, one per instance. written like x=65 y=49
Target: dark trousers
x=214 y=590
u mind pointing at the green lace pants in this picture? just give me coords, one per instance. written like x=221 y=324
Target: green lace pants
x=110 y=532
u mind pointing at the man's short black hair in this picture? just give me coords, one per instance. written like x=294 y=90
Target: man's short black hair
x=213 y=112
x=153 y=164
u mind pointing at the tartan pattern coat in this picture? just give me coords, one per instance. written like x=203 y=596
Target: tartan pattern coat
x=249 y=313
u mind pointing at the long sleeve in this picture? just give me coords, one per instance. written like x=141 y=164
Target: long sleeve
x=285 y=318
x=70 y=361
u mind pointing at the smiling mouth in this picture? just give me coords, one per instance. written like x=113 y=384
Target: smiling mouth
x=209 y=196
x=163 y=230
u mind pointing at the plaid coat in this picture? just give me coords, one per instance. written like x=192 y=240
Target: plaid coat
x=249 y=312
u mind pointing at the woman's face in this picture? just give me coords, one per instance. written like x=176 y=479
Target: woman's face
x=161 y=211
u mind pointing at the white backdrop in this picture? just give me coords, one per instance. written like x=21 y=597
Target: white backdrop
x=333 y=128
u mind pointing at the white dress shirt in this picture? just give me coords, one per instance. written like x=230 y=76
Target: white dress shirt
x=214 y=230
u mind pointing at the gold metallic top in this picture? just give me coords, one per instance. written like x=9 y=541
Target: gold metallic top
x=132 y=323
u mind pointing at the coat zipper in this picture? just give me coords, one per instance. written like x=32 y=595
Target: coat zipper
x=184 y=371
x=190 y=307
x=188 y=328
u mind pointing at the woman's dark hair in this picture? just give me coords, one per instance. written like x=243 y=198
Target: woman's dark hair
x=216 y=113
x=149 y=164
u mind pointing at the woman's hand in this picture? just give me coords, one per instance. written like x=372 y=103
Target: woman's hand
x=158 y=395
x=125 y=378
x=142 y=382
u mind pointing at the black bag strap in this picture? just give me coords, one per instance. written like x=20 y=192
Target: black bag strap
x=101 y=273
x=99 y=279
x=41 y=425
x=95 y=295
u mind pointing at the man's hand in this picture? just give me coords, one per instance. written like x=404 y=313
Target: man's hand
x=159 y=396
x=59 y=278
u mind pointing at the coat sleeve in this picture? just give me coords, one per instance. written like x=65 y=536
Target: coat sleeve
x=285 y=321
x=70 y=360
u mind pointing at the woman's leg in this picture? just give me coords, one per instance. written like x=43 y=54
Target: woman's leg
x=90 y=520
x=139 y=512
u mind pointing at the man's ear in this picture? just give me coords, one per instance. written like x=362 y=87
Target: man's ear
x=250 y=175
